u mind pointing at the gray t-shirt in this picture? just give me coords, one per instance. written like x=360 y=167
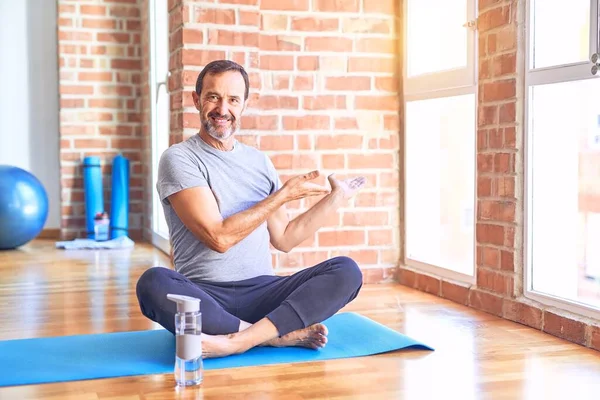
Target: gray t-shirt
x=239 y=179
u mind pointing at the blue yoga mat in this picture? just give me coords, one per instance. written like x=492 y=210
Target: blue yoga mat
x=94 y=198
x=70 y=358
x=119 y=195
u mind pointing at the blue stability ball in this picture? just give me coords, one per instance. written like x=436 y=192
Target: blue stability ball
x=23 y=207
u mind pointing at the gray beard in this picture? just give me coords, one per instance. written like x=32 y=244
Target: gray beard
x=214 y=133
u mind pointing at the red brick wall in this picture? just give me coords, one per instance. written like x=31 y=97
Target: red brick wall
x=176 y=20
x=324 y=94
x=99 y=84
x=500 y=191
x=496 y=153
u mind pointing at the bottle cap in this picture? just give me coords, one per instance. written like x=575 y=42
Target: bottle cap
x=185 y=303
x=101 y=215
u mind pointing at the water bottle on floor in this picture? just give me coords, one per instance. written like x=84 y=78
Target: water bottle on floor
x=188 y=340
x=101 y=227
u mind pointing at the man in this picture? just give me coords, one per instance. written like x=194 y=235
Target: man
x=224 y=204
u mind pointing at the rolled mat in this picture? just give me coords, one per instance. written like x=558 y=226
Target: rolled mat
x=119 y=200
x=94 y=199
x=107 y=355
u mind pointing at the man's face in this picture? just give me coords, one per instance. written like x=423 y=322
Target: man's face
x=221 y=104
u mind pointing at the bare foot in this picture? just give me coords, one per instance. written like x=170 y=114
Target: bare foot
x=312 y=337
x=218 y=346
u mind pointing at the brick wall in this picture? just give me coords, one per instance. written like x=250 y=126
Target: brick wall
x=497 y=155
x=324 y=94
x=100 y=74
x=500 y=189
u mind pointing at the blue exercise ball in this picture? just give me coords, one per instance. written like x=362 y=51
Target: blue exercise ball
x=23 y=207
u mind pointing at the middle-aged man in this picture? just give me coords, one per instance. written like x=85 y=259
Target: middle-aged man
x=225 y=205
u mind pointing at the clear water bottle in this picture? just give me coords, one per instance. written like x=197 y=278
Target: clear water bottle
x=101 y=227
x=188 y=340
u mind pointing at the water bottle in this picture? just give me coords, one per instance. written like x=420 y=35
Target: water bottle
x=188 y=340
x=101 y=227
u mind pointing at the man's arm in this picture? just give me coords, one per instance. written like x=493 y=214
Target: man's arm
x=199 y=212
x=286 y=234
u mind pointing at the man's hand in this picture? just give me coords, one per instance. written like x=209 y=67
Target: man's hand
x=346 y=188
x=286 y=234
x=299 y=187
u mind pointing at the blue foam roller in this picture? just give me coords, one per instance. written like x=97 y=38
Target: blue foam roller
x=94 y=199
x=119 y=203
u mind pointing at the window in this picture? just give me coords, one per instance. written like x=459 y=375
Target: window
x=440 y=131
x=563 y=155
x=160 y=109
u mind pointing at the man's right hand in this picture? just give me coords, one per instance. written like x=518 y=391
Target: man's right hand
x=300 y=186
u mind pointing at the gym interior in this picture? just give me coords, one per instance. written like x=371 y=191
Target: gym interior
x=480 y=263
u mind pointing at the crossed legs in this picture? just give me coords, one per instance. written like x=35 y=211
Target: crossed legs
x=266 y=310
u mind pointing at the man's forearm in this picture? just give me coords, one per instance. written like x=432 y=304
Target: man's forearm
x=238 y=226
x=306 y=224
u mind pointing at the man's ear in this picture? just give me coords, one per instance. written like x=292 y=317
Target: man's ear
x=196 y=99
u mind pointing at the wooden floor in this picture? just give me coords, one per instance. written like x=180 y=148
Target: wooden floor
x=48 y=292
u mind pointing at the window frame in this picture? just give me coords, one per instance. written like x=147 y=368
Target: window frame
x=569 y=72
x=160 y=239
x=432 y=86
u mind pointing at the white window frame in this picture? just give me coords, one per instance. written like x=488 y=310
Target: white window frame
x=159 y=239
x=436 y=84
x=432 y=86
x=547 y=75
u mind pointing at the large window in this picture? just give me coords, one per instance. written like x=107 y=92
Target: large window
x=440 y=126
x=160 y=112
x=563 y=154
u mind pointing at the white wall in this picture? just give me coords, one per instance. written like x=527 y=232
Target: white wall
x=29 y=100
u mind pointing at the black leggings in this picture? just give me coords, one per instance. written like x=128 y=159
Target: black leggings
x=289 y=302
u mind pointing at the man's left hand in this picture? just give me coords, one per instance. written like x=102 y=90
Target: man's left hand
x=348 y=187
